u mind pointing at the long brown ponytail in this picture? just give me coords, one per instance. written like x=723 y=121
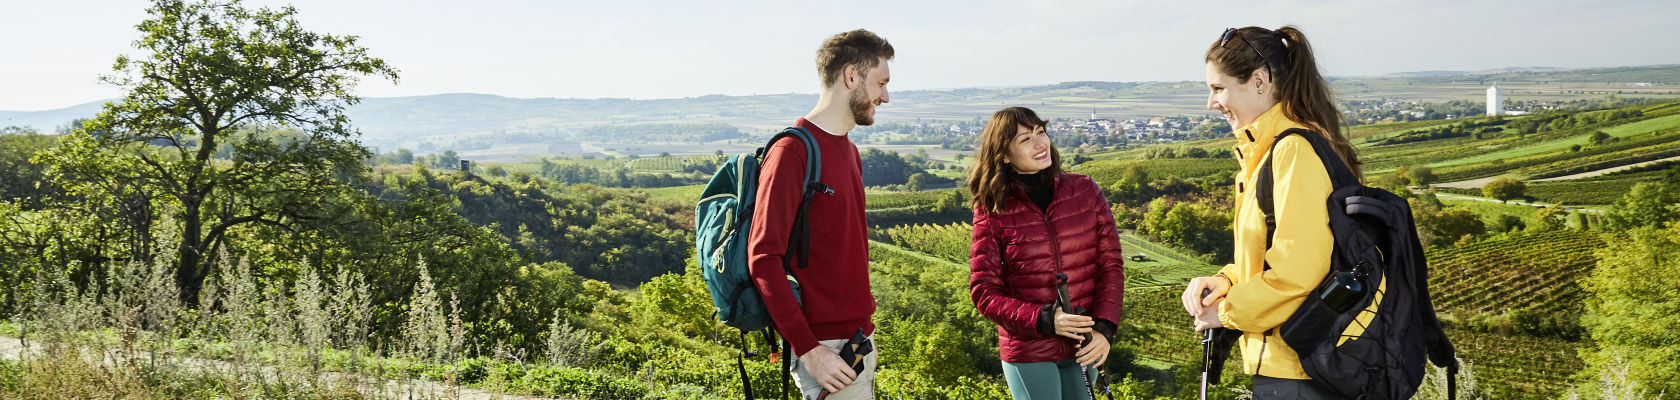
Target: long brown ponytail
x=1305 y=95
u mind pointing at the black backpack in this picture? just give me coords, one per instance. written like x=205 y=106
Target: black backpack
x=1376 y=241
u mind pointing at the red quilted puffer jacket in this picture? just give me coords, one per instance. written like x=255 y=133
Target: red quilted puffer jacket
x=1017 y=253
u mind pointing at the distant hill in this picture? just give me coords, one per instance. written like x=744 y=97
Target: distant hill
x=48 y=120
x=446 y=120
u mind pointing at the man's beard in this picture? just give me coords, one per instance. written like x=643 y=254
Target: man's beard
x=860 y=108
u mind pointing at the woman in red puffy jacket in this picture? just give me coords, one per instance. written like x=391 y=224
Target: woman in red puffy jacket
x=1032 y=224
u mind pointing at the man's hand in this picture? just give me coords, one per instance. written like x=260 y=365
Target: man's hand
x=1095 y=353
x=1194 y=303
x=1071 y=325
x=1208 y=316
x=825 y=365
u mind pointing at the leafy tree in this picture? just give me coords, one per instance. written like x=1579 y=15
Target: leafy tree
x=916 y=182
x=1080 y=159
x=678 y=301
x=881 y=168
x=1424 y=208
x=1420 y=175
x=1453 y=224
x=214 y=74
x=1631 y=308
x=1599 y=137
x=1504 y=189
x=20 y=179
x=1649 y=204
x=1506 y=223
x=398 y=157
x=1548 y=219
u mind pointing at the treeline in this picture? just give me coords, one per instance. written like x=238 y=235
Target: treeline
x=900 y=171
x=1476 y=128
x=1553 y=120
x=576 y=174
x=1161 y=151
x=697 y=132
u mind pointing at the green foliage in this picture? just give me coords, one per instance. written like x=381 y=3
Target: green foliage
x=676 y=299
x=1647 y=205
x=613 y=235
x=20 y=179
x=1599 y=137
x=576 y=174
x=1632 y=311
x=882 y=168
x=1456 y=223
x=218 y=78
x=1107 y=172
x=927 y=322
x=563 y=381
x=1204 y=228
x=896 y=384
x=1547 y=219
x=1504 y=189
x=1420 y=175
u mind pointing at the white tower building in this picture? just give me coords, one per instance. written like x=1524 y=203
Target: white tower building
x=1495 y=100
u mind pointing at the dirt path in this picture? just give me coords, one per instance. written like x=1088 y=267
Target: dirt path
x=1470 y=184
x=1478 y=183
x=1535 y=205
x=1590 y=174
x=13 y=348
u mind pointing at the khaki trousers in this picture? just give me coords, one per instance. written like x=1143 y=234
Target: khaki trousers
x=861 y=388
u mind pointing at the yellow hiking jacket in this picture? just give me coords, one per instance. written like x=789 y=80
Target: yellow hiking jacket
x=1260 y=299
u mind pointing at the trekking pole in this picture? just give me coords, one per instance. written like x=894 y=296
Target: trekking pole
x=1063 y=302
x=1207 y=351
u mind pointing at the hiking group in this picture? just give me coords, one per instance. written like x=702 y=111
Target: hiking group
x=1326 y=296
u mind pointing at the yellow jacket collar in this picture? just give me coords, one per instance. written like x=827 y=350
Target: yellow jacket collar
x=1254 y=139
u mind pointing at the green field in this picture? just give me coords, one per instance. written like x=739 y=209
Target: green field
x=686 y=194
x=1163 y=264
x=1536 y=271
x=1108 y=171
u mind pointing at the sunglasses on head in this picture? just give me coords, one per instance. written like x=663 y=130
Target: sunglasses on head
x=1225 y=38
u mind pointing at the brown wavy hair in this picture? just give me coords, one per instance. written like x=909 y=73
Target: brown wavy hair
x=860 y=48
x=990 y=178
x=1296 y=81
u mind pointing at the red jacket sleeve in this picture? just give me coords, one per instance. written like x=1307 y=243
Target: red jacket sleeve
x=781 y=183
x=1111 y=262
x=986 y=286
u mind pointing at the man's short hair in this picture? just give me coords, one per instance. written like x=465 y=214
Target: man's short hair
x=859 y=48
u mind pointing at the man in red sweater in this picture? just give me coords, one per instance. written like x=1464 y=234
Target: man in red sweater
x=835 y=286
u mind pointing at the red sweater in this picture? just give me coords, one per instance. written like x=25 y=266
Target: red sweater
x=835 y=287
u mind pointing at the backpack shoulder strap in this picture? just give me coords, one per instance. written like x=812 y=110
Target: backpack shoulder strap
x=1340 y=174
x=801 y=232
x=813 y=153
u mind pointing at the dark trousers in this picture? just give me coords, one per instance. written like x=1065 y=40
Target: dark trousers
x=1268 y=388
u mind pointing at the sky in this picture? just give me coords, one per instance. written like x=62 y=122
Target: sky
x=52 y=52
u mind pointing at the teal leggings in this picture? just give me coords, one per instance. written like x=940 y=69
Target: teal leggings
x=1046 y=380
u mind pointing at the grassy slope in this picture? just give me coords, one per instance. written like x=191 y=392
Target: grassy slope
x=686 y=194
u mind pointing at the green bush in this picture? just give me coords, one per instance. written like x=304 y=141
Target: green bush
x=565 y=381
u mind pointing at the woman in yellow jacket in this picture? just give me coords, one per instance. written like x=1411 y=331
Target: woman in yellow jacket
x=1264 y=82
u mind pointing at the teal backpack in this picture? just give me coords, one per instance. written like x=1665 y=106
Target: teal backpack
x=723 y=218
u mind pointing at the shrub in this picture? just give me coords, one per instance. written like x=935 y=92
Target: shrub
x=1504 y=189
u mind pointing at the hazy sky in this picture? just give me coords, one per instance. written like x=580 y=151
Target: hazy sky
x=51 y=52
